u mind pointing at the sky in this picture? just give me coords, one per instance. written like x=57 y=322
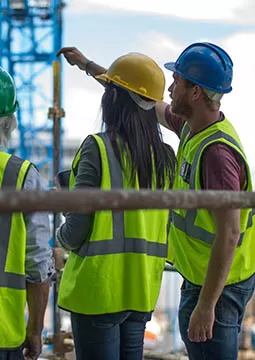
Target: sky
x=105 y=29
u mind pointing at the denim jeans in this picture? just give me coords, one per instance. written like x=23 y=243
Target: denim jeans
x=229 y=314
x=116 y=336
x=11 y=354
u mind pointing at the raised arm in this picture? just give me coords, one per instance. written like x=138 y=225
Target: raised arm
x=76 y=57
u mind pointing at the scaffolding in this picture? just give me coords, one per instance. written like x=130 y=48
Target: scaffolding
x=30 y=36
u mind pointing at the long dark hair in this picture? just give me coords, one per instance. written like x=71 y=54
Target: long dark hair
x=137 y=133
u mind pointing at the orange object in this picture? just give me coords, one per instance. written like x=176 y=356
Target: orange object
x=150 y=336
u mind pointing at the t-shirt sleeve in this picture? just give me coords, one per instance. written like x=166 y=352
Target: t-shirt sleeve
x=222 y=169
x=174 y=122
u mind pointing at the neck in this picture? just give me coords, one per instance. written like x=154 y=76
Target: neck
x=200 y=121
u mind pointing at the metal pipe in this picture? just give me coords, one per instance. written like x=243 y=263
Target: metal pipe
x=56 y=113
x=94 y=200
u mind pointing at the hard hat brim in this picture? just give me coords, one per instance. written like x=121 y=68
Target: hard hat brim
x=105 y=78
x=102 y=77
x=170 y=66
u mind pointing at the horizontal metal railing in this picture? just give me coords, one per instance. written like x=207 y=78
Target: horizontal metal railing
x=95 y=200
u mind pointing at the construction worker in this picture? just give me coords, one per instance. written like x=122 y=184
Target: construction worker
x=112 y=277
x=26 y=259
x=213 y=250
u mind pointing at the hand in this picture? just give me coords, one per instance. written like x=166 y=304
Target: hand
x=201 y=324
x=74 y=57
x=58 y=254
x=33 y=347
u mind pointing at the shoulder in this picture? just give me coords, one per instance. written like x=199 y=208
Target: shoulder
x=221 y=154
x=222 y=168
x=90 y=146
x=33 y=179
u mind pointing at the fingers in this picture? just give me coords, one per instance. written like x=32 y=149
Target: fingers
x=69 y=54
x=199 y=335
x=64 y=50
x=194 y=334
x=209 y=333
x=31 y=355
x=203 y=336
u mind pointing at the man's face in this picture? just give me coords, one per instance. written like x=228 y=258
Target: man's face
x=179 y=93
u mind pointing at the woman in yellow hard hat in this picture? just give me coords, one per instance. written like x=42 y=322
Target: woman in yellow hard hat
x=112 y=277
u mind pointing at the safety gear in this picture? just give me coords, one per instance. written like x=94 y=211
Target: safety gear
x=119 y=267
x=138 y=73
x=206 y=65
x=12 y=258
x=143 y=104
x=212 y=95
x=8 y=103
x=192 y=232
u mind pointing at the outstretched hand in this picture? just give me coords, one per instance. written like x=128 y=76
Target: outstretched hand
x=74 y=56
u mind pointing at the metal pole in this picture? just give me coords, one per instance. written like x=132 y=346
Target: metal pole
x=81 y=201
x=56 y=113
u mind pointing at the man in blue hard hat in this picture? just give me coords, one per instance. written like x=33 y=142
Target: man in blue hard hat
x=212 y=250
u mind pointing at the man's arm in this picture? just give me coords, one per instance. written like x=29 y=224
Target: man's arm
x=222 y=170
x=160 y=112
x=168 y=119
x=222 y=254
x=39 y=268
x=37 y=300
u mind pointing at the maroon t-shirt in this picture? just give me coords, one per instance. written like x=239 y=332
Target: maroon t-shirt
x=222 y=167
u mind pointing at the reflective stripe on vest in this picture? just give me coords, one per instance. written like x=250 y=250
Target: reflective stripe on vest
x=187 y=223
x=9 y=280
x=119 y=243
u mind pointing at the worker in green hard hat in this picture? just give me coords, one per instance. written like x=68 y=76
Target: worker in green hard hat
x=26 y=262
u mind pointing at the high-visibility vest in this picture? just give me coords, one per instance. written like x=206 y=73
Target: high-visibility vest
x=13 y=172
x=119 y=267
x=192 y=232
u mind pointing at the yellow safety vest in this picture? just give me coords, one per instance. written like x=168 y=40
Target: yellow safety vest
x=119 y=267
x=192 y=232
x=13 y=172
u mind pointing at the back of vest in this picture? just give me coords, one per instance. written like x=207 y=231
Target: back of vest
x=120 y=266
x=12 y=258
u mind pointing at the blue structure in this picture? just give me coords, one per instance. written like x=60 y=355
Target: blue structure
x=30 y=36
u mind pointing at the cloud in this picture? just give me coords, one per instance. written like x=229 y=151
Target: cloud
x=82 y=108
x=239 y=104
x=232 y=11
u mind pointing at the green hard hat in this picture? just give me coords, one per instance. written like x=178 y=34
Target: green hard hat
x=8 y=102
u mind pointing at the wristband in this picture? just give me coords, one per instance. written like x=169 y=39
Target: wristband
x=86 y=66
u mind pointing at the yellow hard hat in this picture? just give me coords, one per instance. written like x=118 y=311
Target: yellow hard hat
x=138 y=73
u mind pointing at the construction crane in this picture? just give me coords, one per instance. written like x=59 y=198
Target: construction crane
x=30 y=36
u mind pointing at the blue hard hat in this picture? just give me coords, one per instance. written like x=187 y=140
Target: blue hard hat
x=206 y=65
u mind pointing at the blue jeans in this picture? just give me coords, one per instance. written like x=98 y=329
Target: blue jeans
x=116 y=336
x=229 y=314
x=11 y=354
